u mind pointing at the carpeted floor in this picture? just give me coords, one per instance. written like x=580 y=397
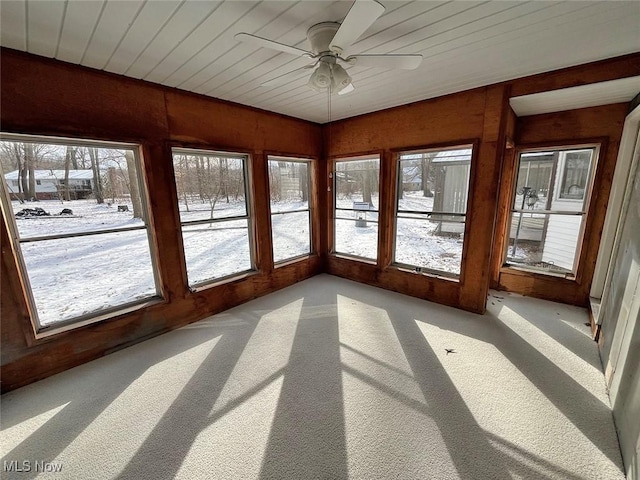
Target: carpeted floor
x=330 y=379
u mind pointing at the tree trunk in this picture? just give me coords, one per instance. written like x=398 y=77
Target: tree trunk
x=30 y=167
x=97 y=179
x=425 y=164
x=134 y=191
x=186 y=182
x=20 y=168
x=113 y=181
x=366 y=188
x=303 y=175
x=67 y=163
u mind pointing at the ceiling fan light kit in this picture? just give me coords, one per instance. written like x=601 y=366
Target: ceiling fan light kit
x=329 y=41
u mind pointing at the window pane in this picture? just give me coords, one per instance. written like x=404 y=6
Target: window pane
x=71 y=189
x=289 y=203
x=433 y=190
x=429 y=244
x=209 y=185
x=357 y=183
x=359 y=239
x=556 y=181
x=291 y=235
x=71 y=277
x=216 y=250
x=434 y=181
x=356 y=191
x=78 y=191
x=575 y=175
x=288 y=185
x=534 y=181
x=548 y=243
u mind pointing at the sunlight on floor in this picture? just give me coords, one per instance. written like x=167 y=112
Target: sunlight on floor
x=18 y=433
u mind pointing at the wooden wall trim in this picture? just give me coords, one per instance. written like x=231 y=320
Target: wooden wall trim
x=594 y=72
x=483 y=203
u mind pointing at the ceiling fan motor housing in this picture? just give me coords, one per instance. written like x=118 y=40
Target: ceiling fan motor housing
x=320 y=36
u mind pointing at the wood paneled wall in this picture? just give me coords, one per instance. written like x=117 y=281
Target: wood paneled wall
x=44 y=97
x=477 y=116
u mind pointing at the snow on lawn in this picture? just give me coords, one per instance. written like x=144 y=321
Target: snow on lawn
x=70 y=277
x=77 y=276
x=418 y=242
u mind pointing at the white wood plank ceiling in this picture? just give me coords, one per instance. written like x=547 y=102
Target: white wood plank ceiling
x=190 y=44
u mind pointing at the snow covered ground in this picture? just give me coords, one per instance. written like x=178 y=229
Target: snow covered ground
x=71 y=277
x=417 y=242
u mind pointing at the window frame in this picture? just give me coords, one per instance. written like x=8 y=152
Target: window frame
x=42 y=331
x=397 y=213
x=249 y=215
x=372 y=156
x=309 y=209
x=556 y=184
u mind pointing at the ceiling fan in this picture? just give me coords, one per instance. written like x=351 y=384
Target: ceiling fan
x=329 y=41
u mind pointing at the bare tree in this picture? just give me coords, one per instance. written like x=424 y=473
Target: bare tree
x=70 y=153
x=97 y=179
x=29 y=174
x=134 y=190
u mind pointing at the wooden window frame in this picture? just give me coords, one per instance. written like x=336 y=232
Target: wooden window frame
x=310 y=207
x=333 y=179
x=39 y=331
x=417 y=268
x=249 y=216
x=597 y=147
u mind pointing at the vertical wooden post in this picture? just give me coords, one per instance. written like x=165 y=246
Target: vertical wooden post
x=388 y=175
x=262 y=212
x=483 y=204
x=164 y=218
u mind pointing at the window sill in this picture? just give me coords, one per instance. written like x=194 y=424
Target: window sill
x=292 y=260
x=345 y=256
x=223 y=281
x=521 y=271
x=49 y=332
x=424 y=273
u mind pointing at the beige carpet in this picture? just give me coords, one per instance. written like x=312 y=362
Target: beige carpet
x=330 y=379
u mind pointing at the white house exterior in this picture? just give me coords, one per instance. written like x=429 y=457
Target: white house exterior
x=569 y=191
x=50 y=183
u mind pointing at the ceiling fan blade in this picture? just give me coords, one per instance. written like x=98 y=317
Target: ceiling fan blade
x=390 y=60
x=360 y=17
x=265 y=42
x=287 y=77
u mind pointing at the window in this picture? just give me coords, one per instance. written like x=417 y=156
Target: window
x=432 y=195
x=290 y=212
x=82 y=257
x=214 y=214
x=549 y=208
x=356 y=200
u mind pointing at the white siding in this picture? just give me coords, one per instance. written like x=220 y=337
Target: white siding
x=562 y=240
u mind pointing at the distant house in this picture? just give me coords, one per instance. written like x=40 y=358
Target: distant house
x=50 y=184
